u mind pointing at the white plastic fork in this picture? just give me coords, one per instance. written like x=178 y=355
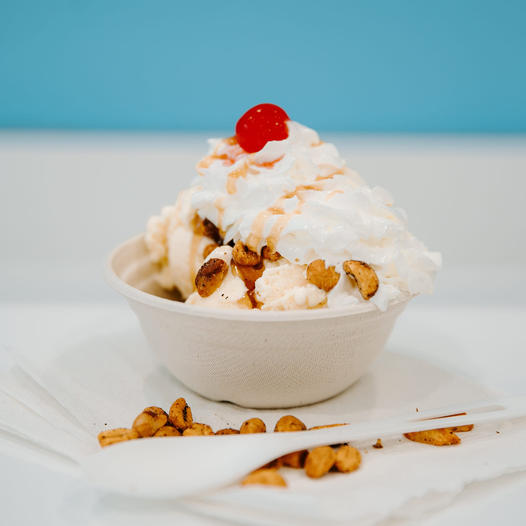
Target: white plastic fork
x=172 y=467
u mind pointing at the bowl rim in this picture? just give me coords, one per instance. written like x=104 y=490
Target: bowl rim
x=253 y=315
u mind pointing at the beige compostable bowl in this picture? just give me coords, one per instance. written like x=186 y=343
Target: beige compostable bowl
x=251 y=358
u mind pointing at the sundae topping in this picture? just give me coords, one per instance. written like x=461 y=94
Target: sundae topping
x=297 y=218
x=211 y=231
x=259 y=125
x=242 y=255
x=209 y=249
x=323 y=277
x=270 y=254
x=364 y=275
x=210 y=276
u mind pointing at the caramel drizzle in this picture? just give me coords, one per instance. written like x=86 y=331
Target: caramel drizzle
x=242 y=171
x=229 y=157
x=301 y=188
x=280 y=224
x=339 y=171
x=256 y=234
x=269 y=164
x=333 y=193
x=249 y=275
x=220 y=211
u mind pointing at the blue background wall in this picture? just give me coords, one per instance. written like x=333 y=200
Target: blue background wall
x=386 y=65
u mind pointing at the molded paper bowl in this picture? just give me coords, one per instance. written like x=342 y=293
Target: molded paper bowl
x=251 y=358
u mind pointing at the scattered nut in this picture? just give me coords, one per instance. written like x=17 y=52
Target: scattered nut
x=265 y=476
x=149 y=421
x=268 y=253
x=435 y=437
x=461 y=429
x=323 y=277
x=167 y=431
x=347 y=459
x=180 y=414
x=289 y=423
x=197 y=429
x=319 y=461
x=378 y=444
x=210 y=276
x=273 y=464
x=227 y=431
x=295 y=459
x=209 y=249
x=364 y=276
x=120 y=434
x=242 y=255
x=253 y=425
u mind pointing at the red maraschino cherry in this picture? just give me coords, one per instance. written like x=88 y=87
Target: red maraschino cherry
x=260 y=124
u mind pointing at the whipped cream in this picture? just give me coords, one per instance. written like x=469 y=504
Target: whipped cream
x=173 y=245
x=298 y=197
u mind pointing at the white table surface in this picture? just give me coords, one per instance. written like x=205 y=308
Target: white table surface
x=66 y=200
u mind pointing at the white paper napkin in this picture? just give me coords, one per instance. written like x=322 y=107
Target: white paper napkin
x=95 y=371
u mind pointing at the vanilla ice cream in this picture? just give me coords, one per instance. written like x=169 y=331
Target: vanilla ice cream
x=297 y=198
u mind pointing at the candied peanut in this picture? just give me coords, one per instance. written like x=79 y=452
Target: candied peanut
x=180 y=414
x=149 y=421
x=289 y=423
x=461 y=429
x=319 y=461
x=209 y=249
x=268 y=253
x=323 y=277
x=242 y=255
x=435 y=437
x=273 y=464
x=197 y=429
x=227 y=431
x=364 y=276
x=211 y=231
x=253 y=425
x=265 y=476
x=119 y=434
x=347 y=459
x=167 y=431
x=210 y=276
x=295 y=459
